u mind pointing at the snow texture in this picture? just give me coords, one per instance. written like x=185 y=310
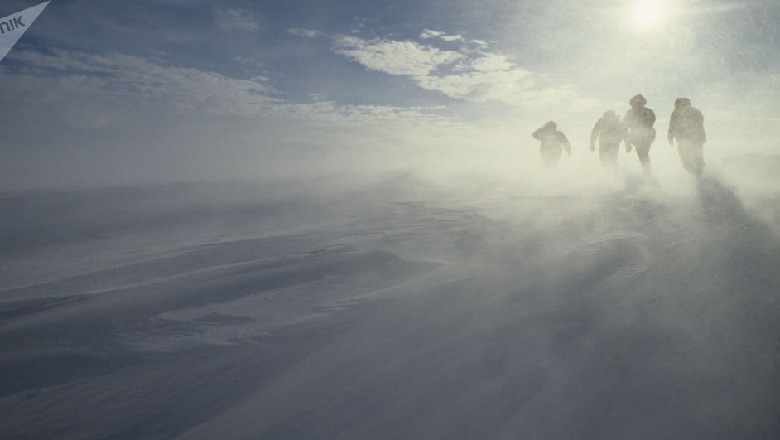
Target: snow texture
x=396 y=309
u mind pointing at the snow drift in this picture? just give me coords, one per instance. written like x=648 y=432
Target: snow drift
x=397 y=309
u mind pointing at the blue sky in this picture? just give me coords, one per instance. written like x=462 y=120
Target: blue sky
x=155 y=89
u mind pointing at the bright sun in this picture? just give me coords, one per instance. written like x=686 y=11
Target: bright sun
x=648 y=15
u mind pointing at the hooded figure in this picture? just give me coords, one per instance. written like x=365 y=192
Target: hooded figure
x=610 y=131
x=640 y=134
x=553 y=144
x=687 y=126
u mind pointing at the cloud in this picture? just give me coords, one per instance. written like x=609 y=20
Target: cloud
x=428 y=34
x=113 y=118
x=308 y=33
x=470 y=77
x=492 y=63
x=466 y=74
x=236 y=19
x=113 y=76
x=494 y=77
x=116 y=80
x=504 y=86
x=395 y=57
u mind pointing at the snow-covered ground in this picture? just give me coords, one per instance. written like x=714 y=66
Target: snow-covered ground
x=397 y=309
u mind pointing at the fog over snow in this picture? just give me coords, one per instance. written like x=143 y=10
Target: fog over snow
x=165 y=90
x=300 y=220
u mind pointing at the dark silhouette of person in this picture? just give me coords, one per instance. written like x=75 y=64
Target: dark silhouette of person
x=640 y=133
x=610 y=131
x=687 y=126
x=553 y=144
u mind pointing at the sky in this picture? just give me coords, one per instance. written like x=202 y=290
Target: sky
x=167 y=90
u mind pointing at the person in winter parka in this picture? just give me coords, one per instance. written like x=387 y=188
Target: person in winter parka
x=610 y=131
x=687 y=126
x=553 y=144
x=640 y=134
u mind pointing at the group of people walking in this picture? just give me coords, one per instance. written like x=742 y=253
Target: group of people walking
x=636 y=131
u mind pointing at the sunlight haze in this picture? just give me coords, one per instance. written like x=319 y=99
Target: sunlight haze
x=650 y=15
x=390 y=219
x=247 y=90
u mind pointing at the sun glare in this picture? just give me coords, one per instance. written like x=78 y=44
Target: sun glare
x=648 y=15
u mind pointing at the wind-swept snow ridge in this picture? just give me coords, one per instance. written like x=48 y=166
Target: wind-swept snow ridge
x=406 y=311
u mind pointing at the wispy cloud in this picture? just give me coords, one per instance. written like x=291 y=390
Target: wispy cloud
x=395 y=57
x=139 y=78
x=117 y=78
x=498 y=85
x=237 y=19
x=468 y=74
x=308 y=33
x=139 y=115
x=428 y=34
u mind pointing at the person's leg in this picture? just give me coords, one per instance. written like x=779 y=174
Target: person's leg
x=697 y=157
x=643 y=153
x=550 y=156
x=691 y=156
x=608 y=153
x=683 y=149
